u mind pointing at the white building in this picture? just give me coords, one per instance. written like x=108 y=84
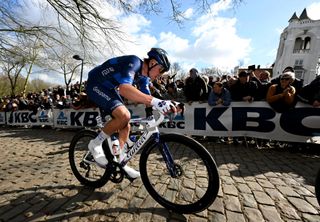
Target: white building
x=299 y=47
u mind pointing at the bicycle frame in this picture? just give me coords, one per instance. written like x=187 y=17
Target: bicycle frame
x=151 y=131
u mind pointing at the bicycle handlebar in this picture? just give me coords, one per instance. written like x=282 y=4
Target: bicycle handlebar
x=155 y=122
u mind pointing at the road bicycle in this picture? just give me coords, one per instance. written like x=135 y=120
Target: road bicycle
x=177 y=171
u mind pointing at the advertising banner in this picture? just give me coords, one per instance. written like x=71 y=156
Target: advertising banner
x=26 y=117
x=257 y=119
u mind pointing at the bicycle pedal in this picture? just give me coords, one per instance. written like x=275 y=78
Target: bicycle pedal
x=89 y=158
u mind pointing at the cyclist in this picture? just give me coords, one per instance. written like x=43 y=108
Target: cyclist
x=114 y=78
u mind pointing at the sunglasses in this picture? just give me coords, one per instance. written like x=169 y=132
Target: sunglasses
x=161 y=68
x=285 y=78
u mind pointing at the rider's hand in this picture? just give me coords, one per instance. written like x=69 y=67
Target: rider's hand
x=164 y=106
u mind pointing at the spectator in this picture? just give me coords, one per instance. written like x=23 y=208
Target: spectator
x=32 y=106
x=219 y=95
x=230 y=82
x=174 y=93
x=58 y=103
x=297 y=83
x=5 y=103
x=263 y=83
x=195 y=88
x=244 y=89
x=211 y=81
x=180 y=84
x=80 y=102
x=158 y=86
x=46 y=103
x=264 y=77
x=281 y=97
x=23 y=103
x=67 y=101
x=310 y=93
x=223 y=79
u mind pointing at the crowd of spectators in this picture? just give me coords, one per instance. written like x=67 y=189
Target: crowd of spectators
x=55 y=97
x=281 y=93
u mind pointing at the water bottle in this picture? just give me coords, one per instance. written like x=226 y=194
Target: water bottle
x=115 y=146
x=130 y=142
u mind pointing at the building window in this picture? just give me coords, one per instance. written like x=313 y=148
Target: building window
x=298 y=62
x=302 y=45
x=298 y=44
x=307 y=41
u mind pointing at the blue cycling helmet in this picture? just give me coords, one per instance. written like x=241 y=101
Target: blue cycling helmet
x=160 y=56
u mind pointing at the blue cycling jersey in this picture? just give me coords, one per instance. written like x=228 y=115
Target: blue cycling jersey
x=120 y=70
x=104 y=80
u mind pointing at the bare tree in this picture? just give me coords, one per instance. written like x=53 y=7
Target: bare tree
x=32 y=53
x=62 y=62
x=12 y=69
x=176 y=71
x=21 y=58
x=86 y=19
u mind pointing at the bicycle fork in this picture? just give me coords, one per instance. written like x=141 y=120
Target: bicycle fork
x=173 y=168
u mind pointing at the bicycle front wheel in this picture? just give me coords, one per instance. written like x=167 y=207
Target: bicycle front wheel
x=82 y=163
x=195 y=184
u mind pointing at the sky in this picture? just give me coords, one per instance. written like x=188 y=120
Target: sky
x=224 y=38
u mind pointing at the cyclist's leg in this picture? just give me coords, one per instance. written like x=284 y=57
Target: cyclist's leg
x=120 y=123
x=124 y=135
x=108 y=100
x=120 y=120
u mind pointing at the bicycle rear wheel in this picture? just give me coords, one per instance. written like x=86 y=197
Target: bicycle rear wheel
x=82 y=163
x=196 y=184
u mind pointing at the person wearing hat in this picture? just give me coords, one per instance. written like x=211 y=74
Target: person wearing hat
x=244 y=89
x=195 y=88
x=281 y=97
x=296 y=83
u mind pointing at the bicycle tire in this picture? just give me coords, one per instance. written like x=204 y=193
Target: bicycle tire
x=317 y=186
x=79 y=144
x=194 y=176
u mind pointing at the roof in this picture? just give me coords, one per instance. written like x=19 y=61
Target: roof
x=304 y=15
x=293 y=17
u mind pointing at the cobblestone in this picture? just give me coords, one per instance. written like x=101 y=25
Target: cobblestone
x=37 y=184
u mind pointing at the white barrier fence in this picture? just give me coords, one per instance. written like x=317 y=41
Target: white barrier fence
x=301 y=124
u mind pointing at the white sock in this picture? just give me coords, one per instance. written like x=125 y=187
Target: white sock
x=100 y=138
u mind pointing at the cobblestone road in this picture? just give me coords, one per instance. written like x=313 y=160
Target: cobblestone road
x=36 y=184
